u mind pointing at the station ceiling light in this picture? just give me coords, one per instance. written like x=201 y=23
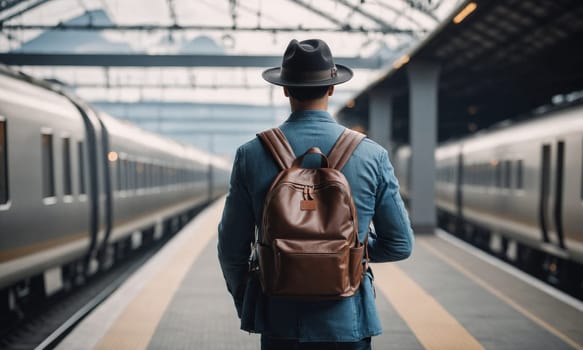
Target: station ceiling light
x=465 y=12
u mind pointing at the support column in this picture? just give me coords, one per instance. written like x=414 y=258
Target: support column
x=380 y=117
x=423 y=88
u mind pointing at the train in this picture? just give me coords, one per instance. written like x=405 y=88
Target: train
x=79 y=188
x=517 y=191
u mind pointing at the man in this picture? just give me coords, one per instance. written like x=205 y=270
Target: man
x=308 y=75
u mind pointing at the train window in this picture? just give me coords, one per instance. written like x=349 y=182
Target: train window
x=498 y=178
x=140 y=176
x=146 y=175
x=130 y=174
x=507 y=173
x=118 y=173
x=48 y=166
x=3 y=163
x=519 y=181
x=81 y=159
x=67 y=186
x=127 y=170
x=158 y=173
x=137 y=175
x=131 y=171
x=134 y=179
x=124 y=174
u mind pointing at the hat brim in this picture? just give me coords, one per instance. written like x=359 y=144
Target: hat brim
x=273 y=75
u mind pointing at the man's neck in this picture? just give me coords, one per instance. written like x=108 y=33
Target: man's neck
x=312 y=105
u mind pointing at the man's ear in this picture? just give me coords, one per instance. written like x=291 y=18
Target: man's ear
x=285 y=92
x=331 y=90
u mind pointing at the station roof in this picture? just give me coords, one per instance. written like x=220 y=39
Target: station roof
x=503 y=60
x=253 y=31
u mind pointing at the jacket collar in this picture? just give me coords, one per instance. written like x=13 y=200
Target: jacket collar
x=310 y=115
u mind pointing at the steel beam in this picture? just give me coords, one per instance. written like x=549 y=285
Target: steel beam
x=178 y=86
x=355 y=7
x=156 y=27
x=161 y=85
x=320 y=13
x=208 y=131
x=209 y=121
x=144 y=60
x=417 y=5
x=401 y=12
x=6 y=4
x=23 y=11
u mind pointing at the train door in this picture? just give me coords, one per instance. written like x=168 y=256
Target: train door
x=551 y=193
x=559 y=179
x=459 y=219
x=458 y=188
x=96 y=193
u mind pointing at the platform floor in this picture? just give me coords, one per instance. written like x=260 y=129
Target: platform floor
x=446 y=296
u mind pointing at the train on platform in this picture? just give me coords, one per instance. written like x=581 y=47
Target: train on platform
x=516 y=191
x=79 y=189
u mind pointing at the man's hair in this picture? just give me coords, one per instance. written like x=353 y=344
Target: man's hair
x=302 y=93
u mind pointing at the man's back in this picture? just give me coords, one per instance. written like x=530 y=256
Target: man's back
x=308 y=75
x=375 y=193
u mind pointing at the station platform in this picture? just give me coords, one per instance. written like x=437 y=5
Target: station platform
x=446 y=296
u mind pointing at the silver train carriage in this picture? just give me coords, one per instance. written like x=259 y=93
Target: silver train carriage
x=523 y=183
x=77 y=185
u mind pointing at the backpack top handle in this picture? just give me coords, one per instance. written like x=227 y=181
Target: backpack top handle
x=297 y=163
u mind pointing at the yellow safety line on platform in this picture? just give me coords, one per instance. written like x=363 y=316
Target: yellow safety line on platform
x=433 y=326
x=503 y=297
x=136 y=325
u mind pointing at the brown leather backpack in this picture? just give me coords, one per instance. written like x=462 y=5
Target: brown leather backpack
x=309 y=246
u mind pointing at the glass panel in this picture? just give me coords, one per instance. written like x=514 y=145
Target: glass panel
x=507 y=173
x=81 y=160
x=519 y=181
x=139 y=175
x=498 y=178
x=126 y=169
x=119 y=165
x=48 y=166
x=67 y=187
x=3 y=164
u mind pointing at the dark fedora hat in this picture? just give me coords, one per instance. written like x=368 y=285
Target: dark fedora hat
x=308 y=63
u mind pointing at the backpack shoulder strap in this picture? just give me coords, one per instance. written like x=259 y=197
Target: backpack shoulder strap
x=280 y=149
x=343 y=148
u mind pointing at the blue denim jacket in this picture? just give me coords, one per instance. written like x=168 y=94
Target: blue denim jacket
x=376 y=195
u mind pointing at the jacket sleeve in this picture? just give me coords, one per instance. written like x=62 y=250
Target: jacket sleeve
x=392 y=238
x=236 y=232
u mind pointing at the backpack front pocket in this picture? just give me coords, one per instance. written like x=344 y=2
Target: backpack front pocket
x=311 y=267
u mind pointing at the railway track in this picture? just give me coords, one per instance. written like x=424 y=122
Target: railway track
x=47 y=324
